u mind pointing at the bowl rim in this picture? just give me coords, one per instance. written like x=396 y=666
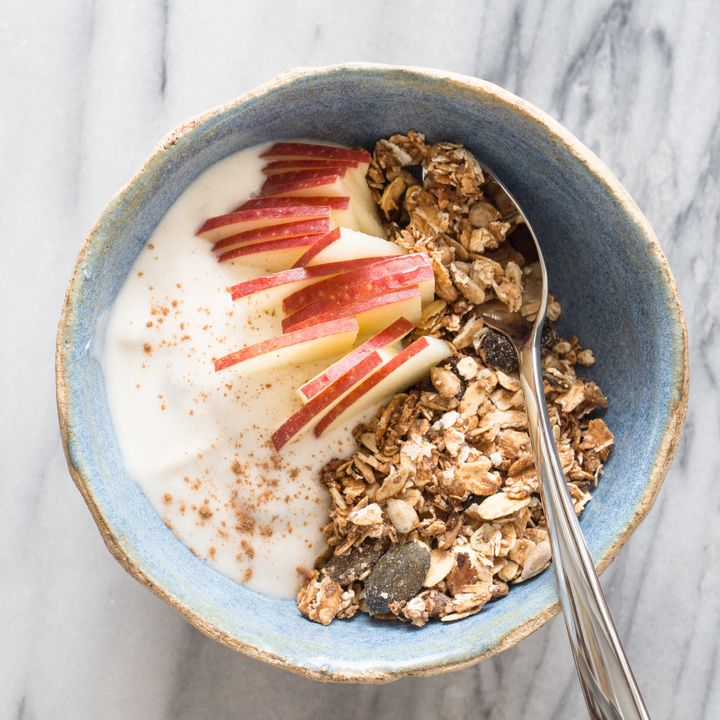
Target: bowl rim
x=488 y=92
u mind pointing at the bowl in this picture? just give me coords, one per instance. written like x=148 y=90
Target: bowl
x=605 y=266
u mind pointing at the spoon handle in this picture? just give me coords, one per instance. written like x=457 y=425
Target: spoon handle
x=610 y=690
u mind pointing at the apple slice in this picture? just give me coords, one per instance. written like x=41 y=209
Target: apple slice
x=325 y=185
x=362 y=215
x=294 y=348
x=221 y=226
x=372 y=312
x=300 y=151
x=372 y=291
x=391 y=334
x=397 y=374
x=395 y=273
x=363 y=208
x=303 y=419
x=354 y=244
x=271 y=254
x=288 y=178
x=318 y=227
x=268 y=202
x=316 y=248
x=332 y=191
x=339 y=205
x=272 y=288
x=282 y=166
x=371 y=308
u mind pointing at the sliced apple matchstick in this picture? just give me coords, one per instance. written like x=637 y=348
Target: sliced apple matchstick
x=352 y=244
x=317 y=247
x=338 y=204
x=270 y=289
x=363 y=214
x=377 y=343
x=317 y=227
x=285 y=252
x=281 y=166
x=334 y=202
x=294 y=348
x=386 y=275
x=300 y=151
x=302 y=420
x=331 y=184
x=354 y=295
x=372 y=313
x=291 y=176
x=402 y=371
x=272 y=254
x=221 y=226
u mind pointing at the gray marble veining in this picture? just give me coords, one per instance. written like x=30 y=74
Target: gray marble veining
x=87 y=89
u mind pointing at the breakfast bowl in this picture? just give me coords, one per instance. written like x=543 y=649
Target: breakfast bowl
x=605 y=267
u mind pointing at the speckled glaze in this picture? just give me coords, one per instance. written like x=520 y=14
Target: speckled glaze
x=605 y=267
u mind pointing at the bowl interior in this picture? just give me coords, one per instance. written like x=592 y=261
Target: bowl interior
x=603 y=268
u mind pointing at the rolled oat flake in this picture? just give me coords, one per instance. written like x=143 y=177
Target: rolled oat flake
x=397 y=576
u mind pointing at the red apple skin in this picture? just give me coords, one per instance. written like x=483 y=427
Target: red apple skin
x=282 y=166
x=275 y=215
x=331 y=311
x=392 y=268
x=317 y=226
x=392 y=333
x=319 y=246
x=250 y=287
x=370 y=382
x=267 y=246
x=251 y=351
x=311 y=410
x=339 y=202
x=300 y=185
x=368 y=291
x=295 y=175
x=289 y=150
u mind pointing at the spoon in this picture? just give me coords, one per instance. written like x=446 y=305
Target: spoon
x=610 y=690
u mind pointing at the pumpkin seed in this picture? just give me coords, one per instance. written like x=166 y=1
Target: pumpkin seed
x=397 y=576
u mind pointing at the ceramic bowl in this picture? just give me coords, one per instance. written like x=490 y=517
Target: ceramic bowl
x=606 y=268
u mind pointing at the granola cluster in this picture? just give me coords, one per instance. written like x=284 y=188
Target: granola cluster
x=438 y=510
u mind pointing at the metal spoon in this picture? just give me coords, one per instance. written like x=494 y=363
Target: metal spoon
x=605 y=676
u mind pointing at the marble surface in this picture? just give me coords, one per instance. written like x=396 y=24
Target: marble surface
x=88 y=88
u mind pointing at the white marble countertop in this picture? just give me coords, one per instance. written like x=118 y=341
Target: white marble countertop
x=87 y=88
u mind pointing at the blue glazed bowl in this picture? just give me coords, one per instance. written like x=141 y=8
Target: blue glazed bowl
x=605 y=267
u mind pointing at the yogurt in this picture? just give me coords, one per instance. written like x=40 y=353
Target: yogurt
x=196 y=441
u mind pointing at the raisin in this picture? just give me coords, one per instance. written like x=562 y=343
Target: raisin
x=499 y=352
x=425 y=385
x=550 y=337
x=472 y=499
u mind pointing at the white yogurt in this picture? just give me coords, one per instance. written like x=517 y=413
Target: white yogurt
x=196 y=441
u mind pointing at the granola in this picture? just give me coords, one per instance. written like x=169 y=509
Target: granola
x=443 y=474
